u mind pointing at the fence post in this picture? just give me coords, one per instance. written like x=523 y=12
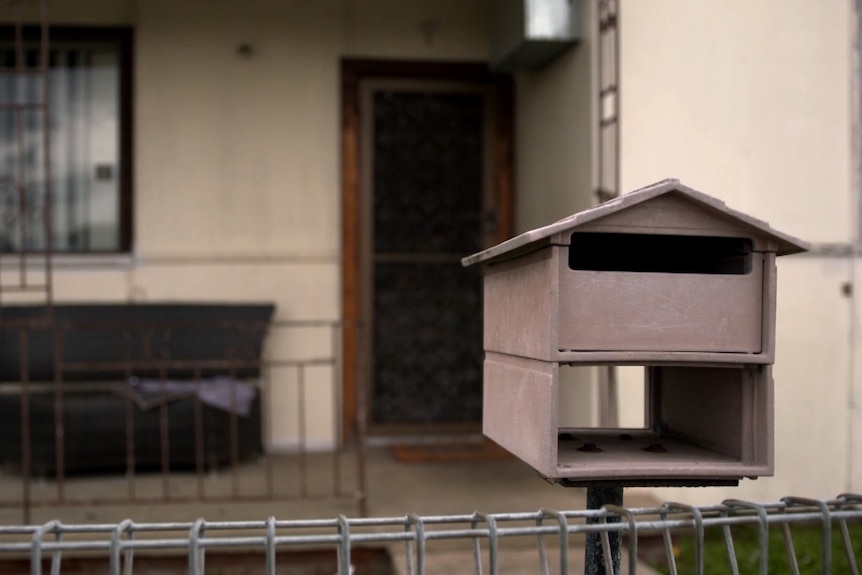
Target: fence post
x=594 y=558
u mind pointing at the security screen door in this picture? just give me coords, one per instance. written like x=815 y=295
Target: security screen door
x=427 y=201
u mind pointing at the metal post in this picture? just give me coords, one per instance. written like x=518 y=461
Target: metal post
x=594 y=558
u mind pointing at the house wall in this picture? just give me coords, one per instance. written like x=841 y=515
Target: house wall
x=751 y=102
x=237 y=172
x=554 y=117
x=237 y=159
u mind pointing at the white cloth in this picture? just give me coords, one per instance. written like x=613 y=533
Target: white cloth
x=222 y=392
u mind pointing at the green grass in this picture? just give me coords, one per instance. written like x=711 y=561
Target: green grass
x=807 y=542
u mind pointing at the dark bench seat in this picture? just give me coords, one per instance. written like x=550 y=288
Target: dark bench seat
x=166 y=383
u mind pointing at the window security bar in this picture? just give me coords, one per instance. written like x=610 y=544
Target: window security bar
x=550 y=532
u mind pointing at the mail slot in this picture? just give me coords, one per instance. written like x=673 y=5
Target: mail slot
x=660 y=253
x=702 y=424
x=665 y=277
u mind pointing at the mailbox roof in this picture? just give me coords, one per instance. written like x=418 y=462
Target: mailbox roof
x=523 y=243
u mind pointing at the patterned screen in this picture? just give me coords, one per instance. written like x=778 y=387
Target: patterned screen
x=427 y=172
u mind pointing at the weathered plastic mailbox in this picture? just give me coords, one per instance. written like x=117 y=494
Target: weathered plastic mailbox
x=665 y=277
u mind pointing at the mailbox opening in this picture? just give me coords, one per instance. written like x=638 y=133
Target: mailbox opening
x=615 y=252
x=630 y=395
x=700 y=423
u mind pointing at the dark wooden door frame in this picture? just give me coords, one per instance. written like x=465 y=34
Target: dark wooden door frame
x=353 y=72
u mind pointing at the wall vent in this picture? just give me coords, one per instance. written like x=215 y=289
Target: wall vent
x=529 y=34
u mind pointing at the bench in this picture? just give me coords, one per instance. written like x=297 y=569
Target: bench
x=136 y=386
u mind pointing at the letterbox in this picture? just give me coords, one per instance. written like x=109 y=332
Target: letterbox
x=665 y=277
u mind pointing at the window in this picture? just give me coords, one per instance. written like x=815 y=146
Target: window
x=89 y=141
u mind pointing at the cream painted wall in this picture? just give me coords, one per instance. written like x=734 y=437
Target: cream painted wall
x=237 y=156
x=751 y=102
x=748 y=101
x=89 y=12
x=237 y=170
x=430 y=29
x=237 y=159
x=554 y=173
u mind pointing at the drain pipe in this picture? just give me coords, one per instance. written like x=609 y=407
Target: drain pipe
x=856 y=148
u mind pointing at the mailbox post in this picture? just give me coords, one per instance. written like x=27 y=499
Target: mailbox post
x=664 y=277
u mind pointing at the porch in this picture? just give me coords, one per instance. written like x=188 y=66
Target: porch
x=173 y=454
x=394 y=489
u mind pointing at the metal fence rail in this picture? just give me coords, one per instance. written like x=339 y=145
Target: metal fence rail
x=551 y=534
x=180 y=467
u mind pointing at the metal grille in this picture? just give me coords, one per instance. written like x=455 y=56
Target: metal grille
x=608 y=84
x=59 y=418
x=427 y=343
x=427 y=206
x=551 y=535
x=26 y=187
x=427 y=169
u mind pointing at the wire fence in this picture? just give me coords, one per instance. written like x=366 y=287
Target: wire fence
x=554 y=538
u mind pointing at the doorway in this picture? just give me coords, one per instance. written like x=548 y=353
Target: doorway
x=427 y=152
